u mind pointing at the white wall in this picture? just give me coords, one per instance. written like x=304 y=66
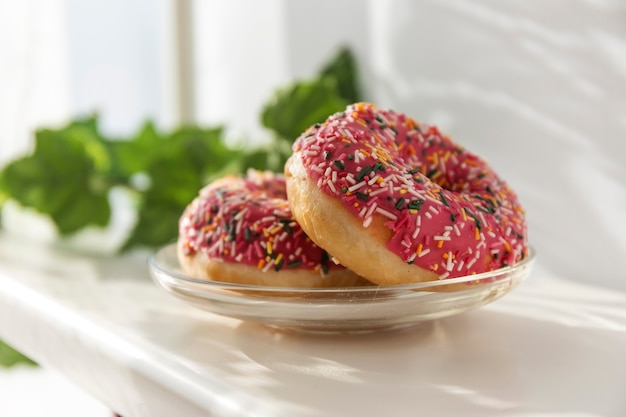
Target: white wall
x=34 y=79
x=539 y=89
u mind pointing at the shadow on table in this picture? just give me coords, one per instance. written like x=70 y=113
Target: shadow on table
x=487 y=362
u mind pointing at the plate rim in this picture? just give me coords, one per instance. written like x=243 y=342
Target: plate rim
x=155 y=264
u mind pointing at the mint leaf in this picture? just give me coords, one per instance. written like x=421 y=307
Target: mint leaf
x=294 y=108
x=343 y=69
x=11 y=357
x=63 y=177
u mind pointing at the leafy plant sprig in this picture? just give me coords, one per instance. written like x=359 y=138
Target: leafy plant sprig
x=10 y=357
x=72 y=170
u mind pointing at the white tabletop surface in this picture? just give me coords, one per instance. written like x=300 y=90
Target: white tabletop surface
x=55 y=395
x=550 y=348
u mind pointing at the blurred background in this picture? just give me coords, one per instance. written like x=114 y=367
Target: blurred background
x=537 y=88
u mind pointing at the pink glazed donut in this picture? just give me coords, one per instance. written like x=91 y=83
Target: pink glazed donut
x=398 y=202
x=241 y=230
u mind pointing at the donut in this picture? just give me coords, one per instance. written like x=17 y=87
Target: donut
x=398 y=202
x=241 y=230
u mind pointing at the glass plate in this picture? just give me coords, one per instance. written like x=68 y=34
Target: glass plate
x=350 y=309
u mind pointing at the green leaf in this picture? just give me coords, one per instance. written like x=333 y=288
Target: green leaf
x=72 y=169
x=11 y=357
x=258 y=159
x=134 y=155
x=295 y=108
x=89 y=209
x=175 y=181
x=85 y=133
x=157 y=224
x=62 y=178
x=89 y=123
x=343 y=69
x=4 y=192
x=203 y=148
x=189 y=158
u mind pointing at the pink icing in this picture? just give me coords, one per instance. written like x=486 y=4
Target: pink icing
x=448 y=211
x=249 y=221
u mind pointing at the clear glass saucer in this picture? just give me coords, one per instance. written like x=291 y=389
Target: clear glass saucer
x=349 y=309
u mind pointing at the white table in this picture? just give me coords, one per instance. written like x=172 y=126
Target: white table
x=550 y=348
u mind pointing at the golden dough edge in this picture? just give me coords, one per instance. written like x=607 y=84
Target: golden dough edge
x=200 y=266
x=332 y=227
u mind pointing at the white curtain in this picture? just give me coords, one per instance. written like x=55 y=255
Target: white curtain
x=34 y=71
x=64 y=58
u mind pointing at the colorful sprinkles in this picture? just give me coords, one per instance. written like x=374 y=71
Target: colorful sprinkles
x=248 y=220
x=448 y=211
